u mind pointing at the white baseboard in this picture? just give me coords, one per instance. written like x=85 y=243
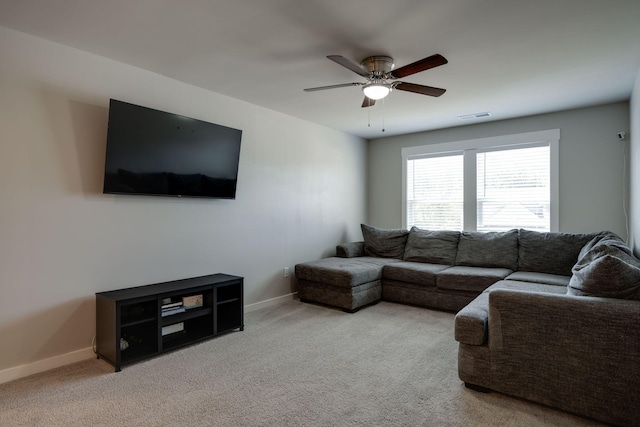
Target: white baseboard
x=22 y=371
x=269 y=302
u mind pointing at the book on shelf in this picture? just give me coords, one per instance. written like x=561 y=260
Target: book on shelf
x=172 y=310
x=172 y=305
x=192 y=301
x=172 y=329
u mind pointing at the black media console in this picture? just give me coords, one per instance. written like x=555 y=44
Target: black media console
x=136 y=323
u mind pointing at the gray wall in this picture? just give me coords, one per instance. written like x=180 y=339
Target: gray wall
x=301 y=190
x=591 y=165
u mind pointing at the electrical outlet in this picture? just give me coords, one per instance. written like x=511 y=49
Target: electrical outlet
x=286 y=272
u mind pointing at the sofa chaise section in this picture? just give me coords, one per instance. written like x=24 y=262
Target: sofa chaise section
x=353 y=278
x=346 y=283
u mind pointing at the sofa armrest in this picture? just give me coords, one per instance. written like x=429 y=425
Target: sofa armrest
x=350 y=250
x=580 y=354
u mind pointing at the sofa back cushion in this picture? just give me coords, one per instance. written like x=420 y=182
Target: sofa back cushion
x=384 y=243
x=606 y=268
x=434 y=247
x=490 y=249
x=553 y=253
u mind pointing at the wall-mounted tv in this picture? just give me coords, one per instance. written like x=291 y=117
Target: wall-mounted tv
x=153 y=152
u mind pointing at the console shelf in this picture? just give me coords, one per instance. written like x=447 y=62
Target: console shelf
x=130 y=325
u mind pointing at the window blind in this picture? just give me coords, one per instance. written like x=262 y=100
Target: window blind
x=435 y=192
x=513 y=189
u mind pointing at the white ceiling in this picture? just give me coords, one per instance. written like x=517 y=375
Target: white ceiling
x=509 y=57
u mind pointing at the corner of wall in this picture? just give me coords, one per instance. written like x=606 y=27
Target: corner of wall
x=634 y=169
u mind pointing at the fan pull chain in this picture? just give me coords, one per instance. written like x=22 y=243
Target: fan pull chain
x=382 y=114
x=369 y=113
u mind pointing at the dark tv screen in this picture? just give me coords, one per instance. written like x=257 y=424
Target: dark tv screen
x=153 y=152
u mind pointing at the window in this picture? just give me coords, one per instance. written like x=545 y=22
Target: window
x=491 y=184
x=434 y=192
x=513 y=189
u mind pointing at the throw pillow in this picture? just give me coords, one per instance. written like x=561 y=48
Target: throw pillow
x=490 y=249
x=384 y=243
x=607 y=269
x=603 y=235
x=435 y=247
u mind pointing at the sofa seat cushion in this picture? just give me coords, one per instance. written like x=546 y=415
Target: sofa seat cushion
x=471 y=322
x=526 y=286
x=476 y=279
x=344 y=272
x=535 y=277
x=413 y=272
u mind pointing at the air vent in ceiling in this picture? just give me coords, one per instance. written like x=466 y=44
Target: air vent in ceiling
x=475 y=116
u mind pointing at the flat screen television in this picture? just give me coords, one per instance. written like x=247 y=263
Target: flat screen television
x=153 y=152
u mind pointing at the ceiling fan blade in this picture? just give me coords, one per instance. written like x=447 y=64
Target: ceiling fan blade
x=424 y=64
x=347 y=63
x=313 y=89
x=368 y=102
x=423 y=90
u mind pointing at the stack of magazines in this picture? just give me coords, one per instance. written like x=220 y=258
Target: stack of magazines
x=172 y=308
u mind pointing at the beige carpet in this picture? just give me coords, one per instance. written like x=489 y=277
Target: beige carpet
x=294 y=364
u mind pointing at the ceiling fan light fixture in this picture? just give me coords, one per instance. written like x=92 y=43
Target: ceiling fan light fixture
x=376 y=91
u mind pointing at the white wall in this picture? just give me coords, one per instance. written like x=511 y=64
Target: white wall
x=591 y=165
x=634 y=141
x=301 y=190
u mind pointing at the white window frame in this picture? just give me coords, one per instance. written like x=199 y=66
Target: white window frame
x=469 y=148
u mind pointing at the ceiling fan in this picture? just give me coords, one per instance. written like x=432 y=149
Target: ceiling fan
x=381 y=77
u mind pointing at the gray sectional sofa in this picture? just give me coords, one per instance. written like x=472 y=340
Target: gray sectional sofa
x=436 y=269
x=549 y=317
